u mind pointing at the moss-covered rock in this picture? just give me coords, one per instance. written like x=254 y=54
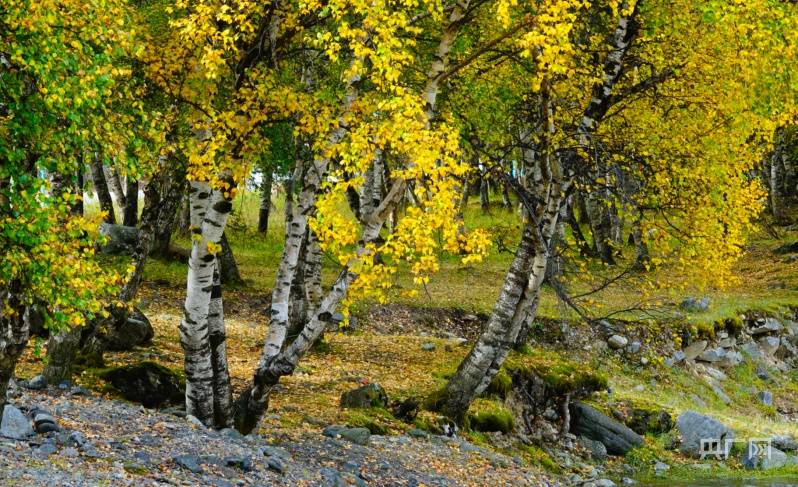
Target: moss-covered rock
x=490 y=416
x=558 y=374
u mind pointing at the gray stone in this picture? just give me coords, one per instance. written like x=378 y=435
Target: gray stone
x=43 y=422
x=428 y=347
x=757 y=456
x=712 y=355
x=771 y=325
x=627 y=481
x=70 y=452
x=604 y=483
x=677 y=357
x=591 y=423
x=367 y=396
x=752 y=350
x=596 y=448
x=765 y=397
x=134 y=331
x=194 y=421
x=695 y=305
x=727 y=342
x=731 y=359
x=36 y=383
x=275 y=464
x=14 y=424
x=617 y=342
x=694 y=427
x=276 y=451
x=769 y=345
x=120 y=239
x=660 y=468
x=418 y=433
x=784 y=443
x=694 y=349
x=634 y=347
x=189 y=462
x=715 y=373
x=762 y=372
x=46 y=450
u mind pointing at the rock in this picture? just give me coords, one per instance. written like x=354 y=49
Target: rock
x=784 y=443
x=694 y=427
x=242 y=463
x=634 y=347
x=715 y=373
x=731 y=359
x=418 y=433
x=428 y=347
x=70 y=452
x=769 y=345
x=695 y=305
x=596 y=448
x=627 y=481
x=591 y=423
x=194 y=421
x=75 y=438
x=698 y=401
x=275 y=464
x=790 y=248
x=36 y=383
x=276 y=451
x=752 y=350
x=694 y=349
x=119 y=238
x=727 y=342
x=617 y=342
x=712 y=355
x=147 y=383
x=758 y=455
x=604 y=483
x=134 y=331
x=771 y=325
x=718 y=390
x=43 y=422
x=660 y=468
x=189 y=462
x=367 y=396
x=14 y=424
x=765 y=397
x=643 y=420
x=46 y=449
x=762 y=372
x=359 y=436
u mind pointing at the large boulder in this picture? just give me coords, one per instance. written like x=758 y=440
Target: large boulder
x=147 y=383
x=134 y=331
x=367 y=396
x=119 y=238
x=695 y=427
x=15 y=424
x=595 y=425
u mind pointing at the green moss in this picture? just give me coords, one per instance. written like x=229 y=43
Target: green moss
x=489 y=416
x=434 y=401
x=539 y=457
x=560 y=375
x=501 y=385
x=377 y=420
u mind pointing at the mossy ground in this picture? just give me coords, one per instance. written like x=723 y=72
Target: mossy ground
x=310 y=397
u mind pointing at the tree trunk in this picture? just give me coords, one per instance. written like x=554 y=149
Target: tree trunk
x=14 y=334
x=484 y=193
x=78 y=208
x=114 y=185
x=777 y=178
x=61 y=350
x=130 y=214
x=101 y=189
x=265 y=202
x=209 y=212
x=217 y=336
x=227 y=263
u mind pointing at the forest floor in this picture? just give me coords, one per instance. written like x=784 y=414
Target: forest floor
x=410 y=347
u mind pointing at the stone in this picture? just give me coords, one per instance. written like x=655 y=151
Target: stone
x=36 y=383
x=660 y=468
x=46 y=449
x=712 y=355
x=728 y=342
x=189 y=462
x=617 y=342
x=731 y=359
x=695 y=305
x=694 y=427
x=634 y=347
x=147 y=383
x=715 y=373
x=275 y=464
x=771 y=325
x=694 y=349
x=119 y=238
x=418 y=433
x=367 y=396
x=784 y=443
x=762 y=372
x=596 y=448
x=14 y=424
x=718 y=390
x=428 y=347
x=627 y=481
x=604 y=483
x=194 y=421
x=765 y=397
x=360 y=436
x=242 y=463
x=644 y=420
x=595 y=425
x=757 y=455
x=769 y=345
x=43 y=422
x=752 y=350
x=134 y=331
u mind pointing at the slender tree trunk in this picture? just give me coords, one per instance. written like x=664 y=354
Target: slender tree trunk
x=265 y=202
x=209 y=212
x=217 y=335
x=777 y=178
x=14 y=334
x=131 y=210
x=80 y=185
x=114 y=185
x=484 y=193
x=101 y=189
